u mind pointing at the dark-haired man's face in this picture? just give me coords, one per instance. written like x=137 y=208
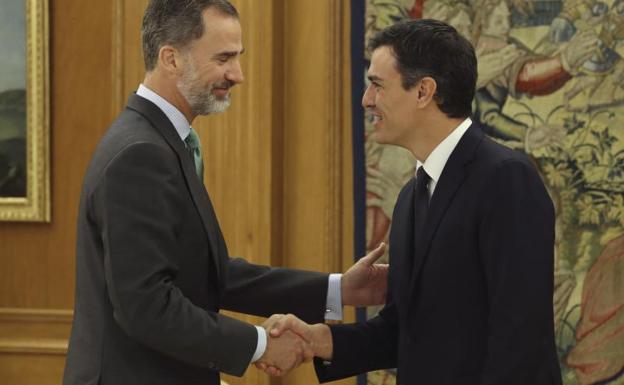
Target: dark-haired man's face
x=390 y=106
x=211 y=64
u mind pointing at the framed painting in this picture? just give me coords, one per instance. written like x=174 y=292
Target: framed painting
x=24 y=111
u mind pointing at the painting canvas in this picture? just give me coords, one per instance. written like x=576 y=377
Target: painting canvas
x=545 y=89
x=24 y=164
x=13 y=99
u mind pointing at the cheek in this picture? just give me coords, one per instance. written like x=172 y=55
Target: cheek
x=211 y=78
x=380 y=99
x=210 y=74
x=404 y=113
x=390 y=104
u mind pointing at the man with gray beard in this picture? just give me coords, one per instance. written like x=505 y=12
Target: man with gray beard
x=152 y=268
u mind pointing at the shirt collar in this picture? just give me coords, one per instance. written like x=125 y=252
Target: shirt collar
x=174 y=115
x=435 y=162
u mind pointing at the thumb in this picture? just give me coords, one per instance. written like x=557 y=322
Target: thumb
x=278 y=328
x=374 y=255
x=292 y=323
x=283 y=324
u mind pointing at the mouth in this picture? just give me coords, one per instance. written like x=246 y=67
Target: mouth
x=376 y=118
x=221 y=92
x=222 y=89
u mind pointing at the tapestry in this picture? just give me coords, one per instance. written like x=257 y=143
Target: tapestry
x=551 y=84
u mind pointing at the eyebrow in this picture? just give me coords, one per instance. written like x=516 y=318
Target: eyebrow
x=229 y=53
x=374 y=78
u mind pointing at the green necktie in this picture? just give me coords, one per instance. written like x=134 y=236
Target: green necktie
x=194 y=147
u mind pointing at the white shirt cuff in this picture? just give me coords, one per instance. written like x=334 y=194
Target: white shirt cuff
x=333 y=308
x=262 y=343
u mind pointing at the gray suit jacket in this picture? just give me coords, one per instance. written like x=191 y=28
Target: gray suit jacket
x=153 y=269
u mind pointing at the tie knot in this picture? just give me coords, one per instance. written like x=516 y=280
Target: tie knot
x=192 y=140
x=422 y=178
x=422 y=174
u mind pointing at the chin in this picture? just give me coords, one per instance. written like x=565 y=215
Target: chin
x=380 y=138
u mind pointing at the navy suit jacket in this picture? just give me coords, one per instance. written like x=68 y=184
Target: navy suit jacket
x=470 y=299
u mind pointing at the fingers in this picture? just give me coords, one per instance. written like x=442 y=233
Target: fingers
x=374 y=255
x=279 y=327
x=270 y=370
x=285 y=353
x=273 y=371
x=271 y=321
x=290 y=322
x=583 y=44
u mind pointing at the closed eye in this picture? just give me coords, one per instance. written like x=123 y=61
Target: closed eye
x=223 y=57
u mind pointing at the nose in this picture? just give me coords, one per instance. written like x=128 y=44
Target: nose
x=368 y=99
x=235 y=73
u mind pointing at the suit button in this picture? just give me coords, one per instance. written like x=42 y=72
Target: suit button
x=211 y=365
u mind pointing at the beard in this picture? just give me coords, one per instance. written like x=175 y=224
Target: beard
x=199 y=97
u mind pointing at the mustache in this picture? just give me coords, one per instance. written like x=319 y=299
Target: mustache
x=225 y=85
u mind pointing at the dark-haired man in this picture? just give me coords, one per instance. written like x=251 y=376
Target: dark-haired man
x=471 y=246
x=152 y=266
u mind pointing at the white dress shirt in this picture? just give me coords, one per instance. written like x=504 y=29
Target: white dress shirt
x=435 y=162
x=334 y=294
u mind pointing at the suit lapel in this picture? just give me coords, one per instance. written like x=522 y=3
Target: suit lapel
x=198 y=192
x=402 y=242
x=449 y=183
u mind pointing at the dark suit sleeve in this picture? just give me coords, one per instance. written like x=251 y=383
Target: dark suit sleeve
x=264 y=291
x=135 y=206
x=516 y=243
x=363 y=347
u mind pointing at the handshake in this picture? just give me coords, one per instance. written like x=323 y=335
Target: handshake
x=290 y=341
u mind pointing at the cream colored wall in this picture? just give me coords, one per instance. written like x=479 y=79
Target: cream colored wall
x=278 y=163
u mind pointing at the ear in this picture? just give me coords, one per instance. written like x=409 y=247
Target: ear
x=426 y=91
x=170 y=59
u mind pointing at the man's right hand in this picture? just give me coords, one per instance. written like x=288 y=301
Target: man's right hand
x=285 y=351
x=317 y=341
x=579 y=49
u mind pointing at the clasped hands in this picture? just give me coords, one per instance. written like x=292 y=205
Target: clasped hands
x=290 y=341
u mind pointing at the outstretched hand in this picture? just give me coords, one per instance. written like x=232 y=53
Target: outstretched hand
x=366 y=283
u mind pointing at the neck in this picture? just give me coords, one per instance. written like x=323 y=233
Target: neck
x=168 y=90
x=430 y=133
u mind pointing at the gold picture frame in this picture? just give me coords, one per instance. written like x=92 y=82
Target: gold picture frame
x=34 y=204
